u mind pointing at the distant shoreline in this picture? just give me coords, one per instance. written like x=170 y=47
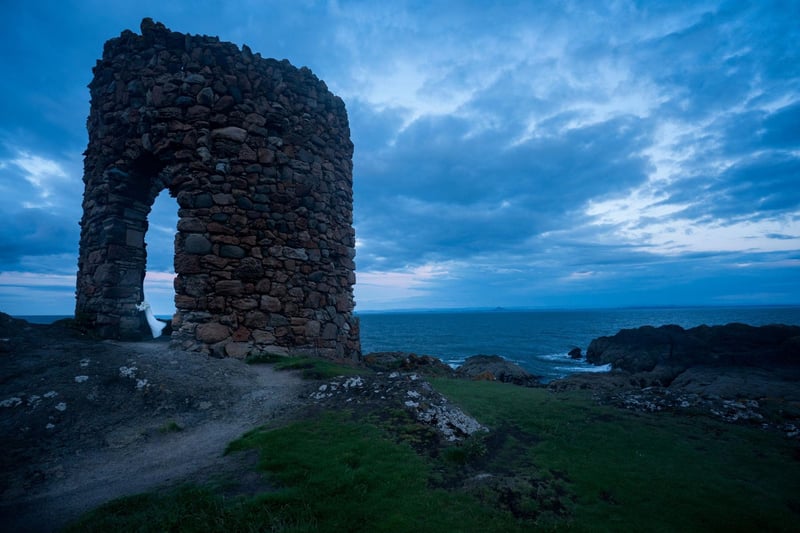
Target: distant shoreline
x=49 y=319
x=455 y=310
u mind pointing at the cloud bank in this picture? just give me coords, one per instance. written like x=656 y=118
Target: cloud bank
x=547 y=154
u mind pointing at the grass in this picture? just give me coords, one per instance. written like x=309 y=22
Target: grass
x=643 y=471
x=170 y=427
x=311 y=367
x=558 y=462
x=337 y=475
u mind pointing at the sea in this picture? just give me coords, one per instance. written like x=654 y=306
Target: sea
x=537 y=340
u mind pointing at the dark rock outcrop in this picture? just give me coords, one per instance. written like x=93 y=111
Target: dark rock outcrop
x=408 y=362
x=736 y=373
x=477 y=367
x=733 y=382
x=575 y=353
x=672 y=349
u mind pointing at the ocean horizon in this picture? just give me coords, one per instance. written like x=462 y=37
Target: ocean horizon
x=537 y=339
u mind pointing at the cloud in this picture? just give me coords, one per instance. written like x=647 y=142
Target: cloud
x=36 y=232
x=160 y=236
x=41 y=173
x=35 y=279
x=780 y=127
x=528 y=153
x=401 y=288
x=439 y=194
x=159 y=291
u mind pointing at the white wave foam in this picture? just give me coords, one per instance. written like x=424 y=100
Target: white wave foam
x=585 y=368
x=554 y=356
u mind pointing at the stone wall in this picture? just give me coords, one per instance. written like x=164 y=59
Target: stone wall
x=258 y=155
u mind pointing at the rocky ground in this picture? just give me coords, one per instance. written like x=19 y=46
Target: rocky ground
x=734 y=372
x=765 y=397
x=397 y=390
x=83 y=421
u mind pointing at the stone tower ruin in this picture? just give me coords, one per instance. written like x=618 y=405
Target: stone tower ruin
x=257 y=154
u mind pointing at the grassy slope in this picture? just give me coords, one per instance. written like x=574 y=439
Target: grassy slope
x=337 y=474
x=648 y=472
x=592 y=467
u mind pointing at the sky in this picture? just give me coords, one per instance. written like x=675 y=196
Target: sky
x=542 y=154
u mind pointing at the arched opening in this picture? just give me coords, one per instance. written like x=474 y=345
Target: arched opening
x=159 y=278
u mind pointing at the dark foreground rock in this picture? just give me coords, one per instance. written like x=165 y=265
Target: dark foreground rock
x=83 y=421
x=494 y=367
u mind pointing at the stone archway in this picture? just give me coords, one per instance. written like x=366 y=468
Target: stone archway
x=258 y=155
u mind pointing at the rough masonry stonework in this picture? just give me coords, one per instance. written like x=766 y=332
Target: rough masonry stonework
x=257 y=154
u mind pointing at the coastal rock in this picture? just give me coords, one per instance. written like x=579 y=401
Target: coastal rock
x=729 y=372
x=502 y=369
x=733 y=382
x=385 y=361
x=674 y=348
x=408 y=362
x=426 y=365
x=575 y=353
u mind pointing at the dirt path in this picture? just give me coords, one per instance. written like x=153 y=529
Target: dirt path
x=83 y=422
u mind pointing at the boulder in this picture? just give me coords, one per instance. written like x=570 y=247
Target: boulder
x=408 y=362
x=426 y=365
x=484 y=376
x=212 y=332
x=575 y=353
x=385 y=361
x=502 y=370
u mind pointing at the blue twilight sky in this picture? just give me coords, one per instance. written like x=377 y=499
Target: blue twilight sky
x=531 y=153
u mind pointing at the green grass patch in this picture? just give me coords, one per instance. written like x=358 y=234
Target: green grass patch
x=170 y=427
x=311 y=367
x=640 y=471
x=351 y=476
x=265 y=358
x=550 y=462
x=186 y=508
x=335 y=474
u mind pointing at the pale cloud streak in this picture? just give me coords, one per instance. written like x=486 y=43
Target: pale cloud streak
x=394 y=289
x=40 y=172
x=35 y=279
